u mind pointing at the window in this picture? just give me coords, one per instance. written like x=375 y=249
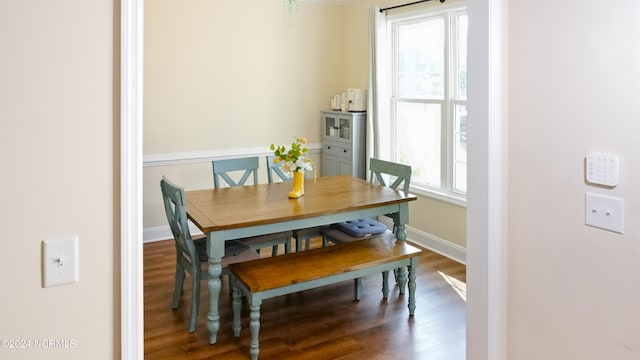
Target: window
x=429 y=100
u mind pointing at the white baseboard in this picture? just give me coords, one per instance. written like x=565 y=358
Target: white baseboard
x=421 y=238
x=159 y=233
x=443 y=247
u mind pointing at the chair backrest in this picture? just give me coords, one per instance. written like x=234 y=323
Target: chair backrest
x=223 y=168
x=390 y=174
x=273 y=168
x=174 y=206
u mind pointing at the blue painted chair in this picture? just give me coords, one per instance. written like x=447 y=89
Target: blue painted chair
x=385 y=173
x=299 y=235
x=275 y=169
x=246 y=169
x=191 y=255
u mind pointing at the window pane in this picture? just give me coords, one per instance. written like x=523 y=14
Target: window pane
x=418 y=140
x=460 y=150
x=420 y=59
x=429 y=95
x=461 y=59
x=461 y=178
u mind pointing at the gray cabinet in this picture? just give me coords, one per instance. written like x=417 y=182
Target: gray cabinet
x=344 y=145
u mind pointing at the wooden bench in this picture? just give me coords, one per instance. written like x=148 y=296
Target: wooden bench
x=280 y=275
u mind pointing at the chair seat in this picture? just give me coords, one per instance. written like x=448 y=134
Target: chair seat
x=361 y=227
x=337 y=236
x=234 y=252
x=307 y=234
x=256 y=242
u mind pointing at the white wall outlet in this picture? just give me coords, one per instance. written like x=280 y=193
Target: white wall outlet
x=59 y=261
x=604 y=212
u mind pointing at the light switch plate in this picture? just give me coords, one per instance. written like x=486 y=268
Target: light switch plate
x=59 y=261
x=604 y=212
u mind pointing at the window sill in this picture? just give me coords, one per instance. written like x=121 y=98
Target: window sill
x=444 y=197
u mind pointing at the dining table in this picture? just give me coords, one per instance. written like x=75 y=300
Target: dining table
x=237 y=212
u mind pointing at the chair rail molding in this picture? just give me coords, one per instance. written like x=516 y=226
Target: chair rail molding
x=194 y=157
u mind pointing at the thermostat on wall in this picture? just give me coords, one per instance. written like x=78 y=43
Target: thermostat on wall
x=602 y=169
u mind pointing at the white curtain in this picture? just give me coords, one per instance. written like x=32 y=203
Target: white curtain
x=378 y=129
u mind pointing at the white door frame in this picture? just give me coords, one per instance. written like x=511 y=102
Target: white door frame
x=131 y=277
x=486 y=197
x=486 y=221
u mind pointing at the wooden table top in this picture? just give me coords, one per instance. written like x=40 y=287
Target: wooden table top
x=237 y=207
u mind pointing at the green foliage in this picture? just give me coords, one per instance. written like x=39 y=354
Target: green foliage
x=296 y=158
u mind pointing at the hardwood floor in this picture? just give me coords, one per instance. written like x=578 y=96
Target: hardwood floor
x=323 y=323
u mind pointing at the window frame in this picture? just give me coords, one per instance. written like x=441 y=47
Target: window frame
x=446 y=191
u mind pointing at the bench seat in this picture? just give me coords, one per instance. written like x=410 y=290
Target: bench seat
x=280 y=275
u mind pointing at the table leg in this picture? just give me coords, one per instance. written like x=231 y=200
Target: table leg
x=215 y=251
x=401 y=232
x=400 y=220
x=213 y=318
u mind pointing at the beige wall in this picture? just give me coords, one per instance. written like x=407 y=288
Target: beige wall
x=58 y=152
x=234 y=74
x=206 y=91
x=574 y=80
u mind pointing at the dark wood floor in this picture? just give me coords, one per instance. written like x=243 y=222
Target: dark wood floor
x=323 y=323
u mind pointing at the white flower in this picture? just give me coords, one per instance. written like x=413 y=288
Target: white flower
x=304 y=164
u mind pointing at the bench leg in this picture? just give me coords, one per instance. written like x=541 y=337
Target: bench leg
x=237 y=306
x=402 y=279
x=357 y=287
x=254 y=348
x=385 y=284
x=412 y=287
